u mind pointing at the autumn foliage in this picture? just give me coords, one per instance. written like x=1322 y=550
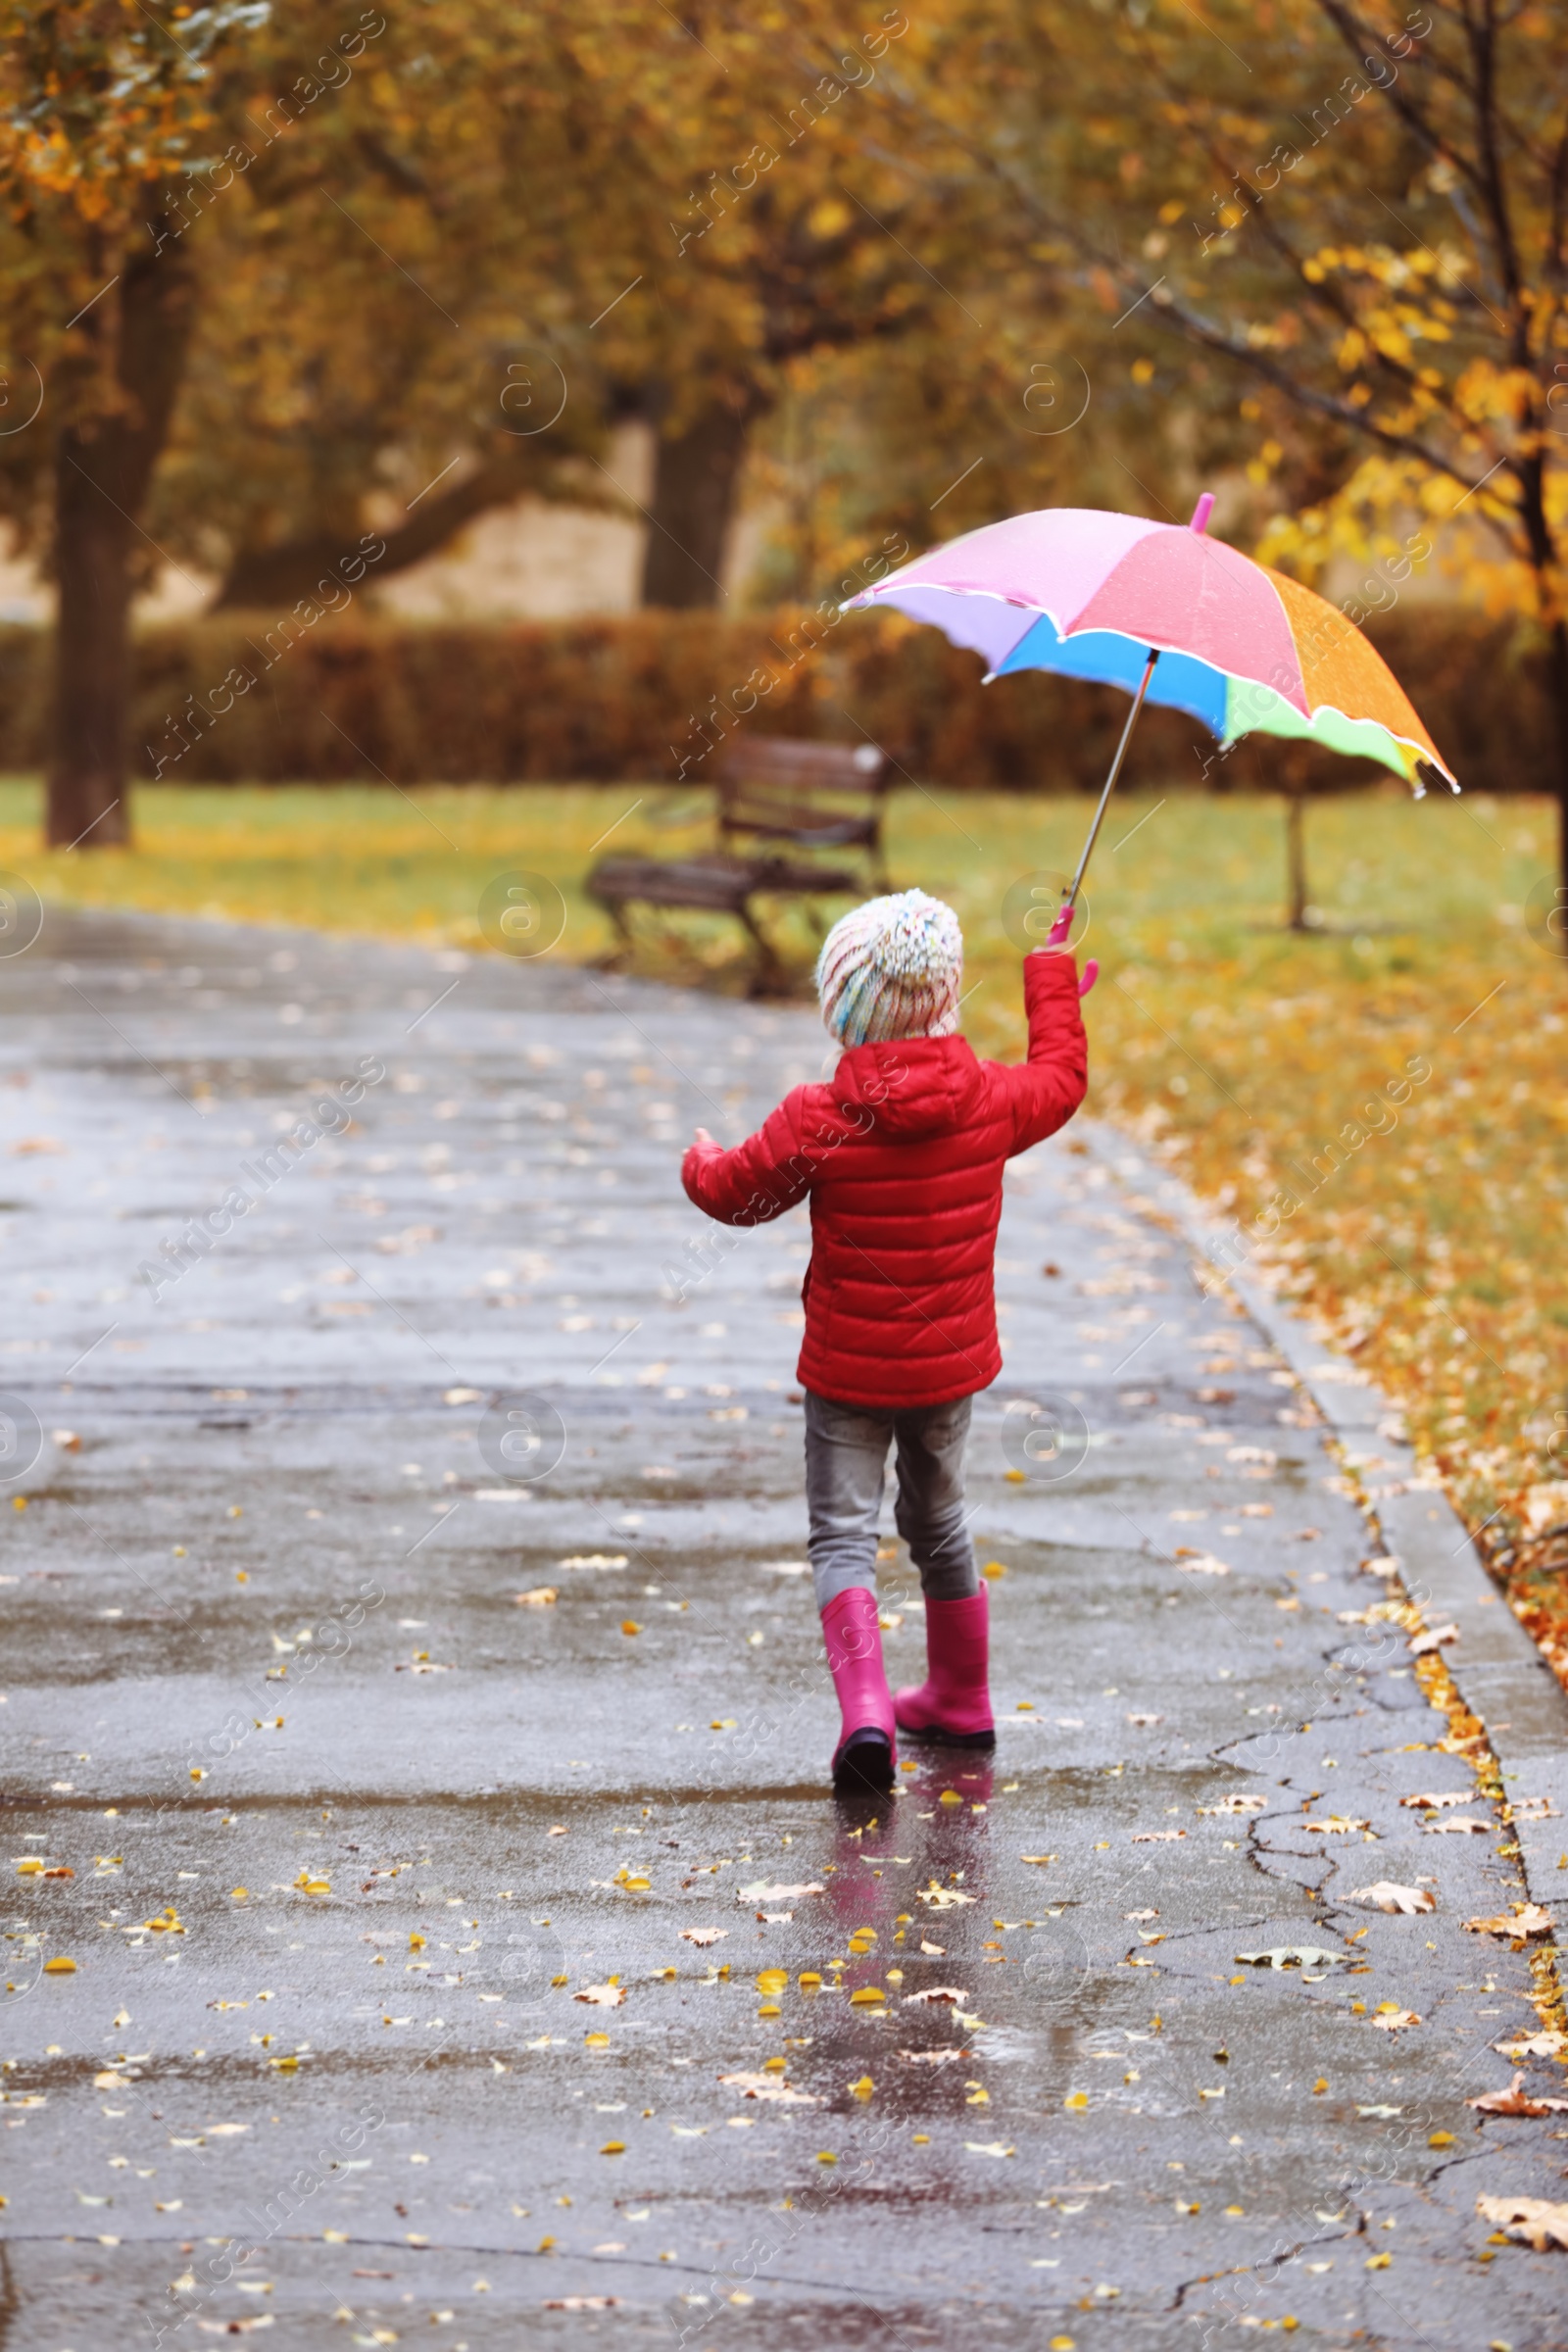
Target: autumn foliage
x=650 y=694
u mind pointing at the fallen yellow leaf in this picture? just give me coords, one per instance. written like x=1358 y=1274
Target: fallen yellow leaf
x=1531 y=2221
x=609 y=1996
x=1525 y=1920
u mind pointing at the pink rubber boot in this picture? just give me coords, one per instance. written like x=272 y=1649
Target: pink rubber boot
x=865 y=1757
x=952 y=1705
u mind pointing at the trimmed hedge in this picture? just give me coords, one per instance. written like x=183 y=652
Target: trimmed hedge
x=652 y=693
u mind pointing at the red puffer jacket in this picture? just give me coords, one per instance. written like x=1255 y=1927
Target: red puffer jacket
x=901 y=1152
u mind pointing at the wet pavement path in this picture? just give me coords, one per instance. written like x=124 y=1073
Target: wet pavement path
x=355 y=1829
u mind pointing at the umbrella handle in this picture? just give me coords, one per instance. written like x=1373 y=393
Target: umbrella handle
x=1110 y=780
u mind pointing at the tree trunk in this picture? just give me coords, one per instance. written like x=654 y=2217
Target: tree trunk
x=1296 y=861
x=696 y=472
x=1558 y=659
x=135 y=338
x=1531 y=471
x=87 y=802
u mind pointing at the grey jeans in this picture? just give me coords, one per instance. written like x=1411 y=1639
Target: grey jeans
x=845 y=1465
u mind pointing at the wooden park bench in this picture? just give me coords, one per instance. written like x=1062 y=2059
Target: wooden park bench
x=811 y=798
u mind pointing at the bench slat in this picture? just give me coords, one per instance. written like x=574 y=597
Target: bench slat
x=675 y=882
x=852 y=768
x=811 y=823
x=725 y=883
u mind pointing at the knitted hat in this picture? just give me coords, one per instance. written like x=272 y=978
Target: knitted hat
x=892 y=968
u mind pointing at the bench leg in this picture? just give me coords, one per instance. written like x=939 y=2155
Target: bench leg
x=768 y=977
x=619 y=954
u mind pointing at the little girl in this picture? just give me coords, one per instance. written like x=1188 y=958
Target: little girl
x=901 y=1152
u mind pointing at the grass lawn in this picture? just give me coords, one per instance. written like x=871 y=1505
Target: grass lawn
x=1431 y=1240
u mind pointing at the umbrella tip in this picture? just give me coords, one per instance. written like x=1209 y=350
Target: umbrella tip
x=1202 y=513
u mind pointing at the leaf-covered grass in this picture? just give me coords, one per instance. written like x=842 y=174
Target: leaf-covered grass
x=334 y=858
x=1380 y=1105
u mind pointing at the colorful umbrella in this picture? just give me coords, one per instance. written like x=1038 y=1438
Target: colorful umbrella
x=1172 y=616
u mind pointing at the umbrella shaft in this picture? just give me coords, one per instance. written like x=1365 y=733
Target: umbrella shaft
x=1110 y=780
